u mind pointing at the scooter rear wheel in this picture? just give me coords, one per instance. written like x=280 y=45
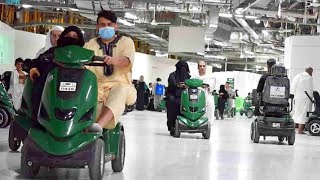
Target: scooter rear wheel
x=206 y=135
x=177 y=132
x=14 y=143
x=250 y=113
x=118 y=163
x=96 y=165
x=291 y=139
x=256 y=136
x=4 y=118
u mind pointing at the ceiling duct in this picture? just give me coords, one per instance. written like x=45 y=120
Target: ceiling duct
x=222 y=33
x=90 y=9
x=213 y=21
x=237 y=3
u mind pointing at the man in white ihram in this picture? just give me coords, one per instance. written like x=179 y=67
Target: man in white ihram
x=211 y=81
x=301 y=83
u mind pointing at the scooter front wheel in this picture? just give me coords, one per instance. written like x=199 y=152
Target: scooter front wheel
x=28 y=169
x=96 y=165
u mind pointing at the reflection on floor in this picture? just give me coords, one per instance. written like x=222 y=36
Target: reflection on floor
x=229 y=155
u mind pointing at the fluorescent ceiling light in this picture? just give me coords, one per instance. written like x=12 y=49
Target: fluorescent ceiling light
x=226 y=15
x=216 y=57
x=239 y=16
x=239 y=11
x=26 y=6
x=124 y=22
x=250 y=17
x=249 y=52
x=130 y=16
x=73 y=9
x=154 y=36
x=213 y=25
x=200 y=53
x=207 y=39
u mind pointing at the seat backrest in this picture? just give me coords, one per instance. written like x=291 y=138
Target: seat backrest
x=254 y=97
x=316 y=97
x=276 y=90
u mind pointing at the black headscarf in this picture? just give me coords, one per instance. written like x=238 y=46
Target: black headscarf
x=65 y=41
x=182 y=71
x=222 y=89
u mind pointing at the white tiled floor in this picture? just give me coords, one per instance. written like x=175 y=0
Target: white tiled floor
x=229 y=155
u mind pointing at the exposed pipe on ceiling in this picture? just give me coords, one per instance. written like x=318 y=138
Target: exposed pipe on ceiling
x=284 y=13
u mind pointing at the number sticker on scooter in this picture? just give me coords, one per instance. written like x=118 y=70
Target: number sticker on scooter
x=276 y=125
x=193 y=97
x=68 y=86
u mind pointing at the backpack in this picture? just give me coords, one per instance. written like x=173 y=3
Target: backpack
x=159 y=89
x=276 y=90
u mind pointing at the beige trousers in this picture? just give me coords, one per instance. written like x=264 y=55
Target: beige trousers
x=116 y=99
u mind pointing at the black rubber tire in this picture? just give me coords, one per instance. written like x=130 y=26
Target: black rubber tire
x=216 y=114
x=249 y=113
x=291 y=139
x=241 y=113
x=118 y=163
x=251 y=131
x=27 y=170
x=280 y=138
x=256 y=136
x=14 y=145
x=4 y=118
x=206 y=135
x=97 y=163
x=177 y=132
x=314 y=127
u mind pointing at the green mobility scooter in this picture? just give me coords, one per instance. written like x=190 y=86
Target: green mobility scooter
x=274 y=109
x=247 y=108
x=313 y=123
x=193 y=109
x=68 y=108
x=7 y=110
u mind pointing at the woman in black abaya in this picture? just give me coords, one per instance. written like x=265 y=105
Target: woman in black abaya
x=175 y=87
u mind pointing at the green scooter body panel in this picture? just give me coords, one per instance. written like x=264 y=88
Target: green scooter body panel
x=64 y=146
x=111 y=139
x=26 y=104
x=81 y=105
x=193 y=124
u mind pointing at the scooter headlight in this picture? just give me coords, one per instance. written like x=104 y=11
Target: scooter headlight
x=65 y=114
x=87 y=116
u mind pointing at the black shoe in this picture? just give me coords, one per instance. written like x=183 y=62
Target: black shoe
x=172 y=132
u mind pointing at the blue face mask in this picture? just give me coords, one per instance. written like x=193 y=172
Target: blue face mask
x=107 y=32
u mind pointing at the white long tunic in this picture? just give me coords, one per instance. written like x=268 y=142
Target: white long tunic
x=16 y=89
x=301 y=83
x=211 y=81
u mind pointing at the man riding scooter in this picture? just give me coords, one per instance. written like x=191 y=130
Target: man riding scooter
x=262 y=81
x=210 y=82
x=115 y=86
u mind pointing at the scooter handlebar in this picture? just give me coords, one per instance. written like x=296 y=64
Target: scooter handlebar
x=97 y=61
x=308 y=96
x=97 y=58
